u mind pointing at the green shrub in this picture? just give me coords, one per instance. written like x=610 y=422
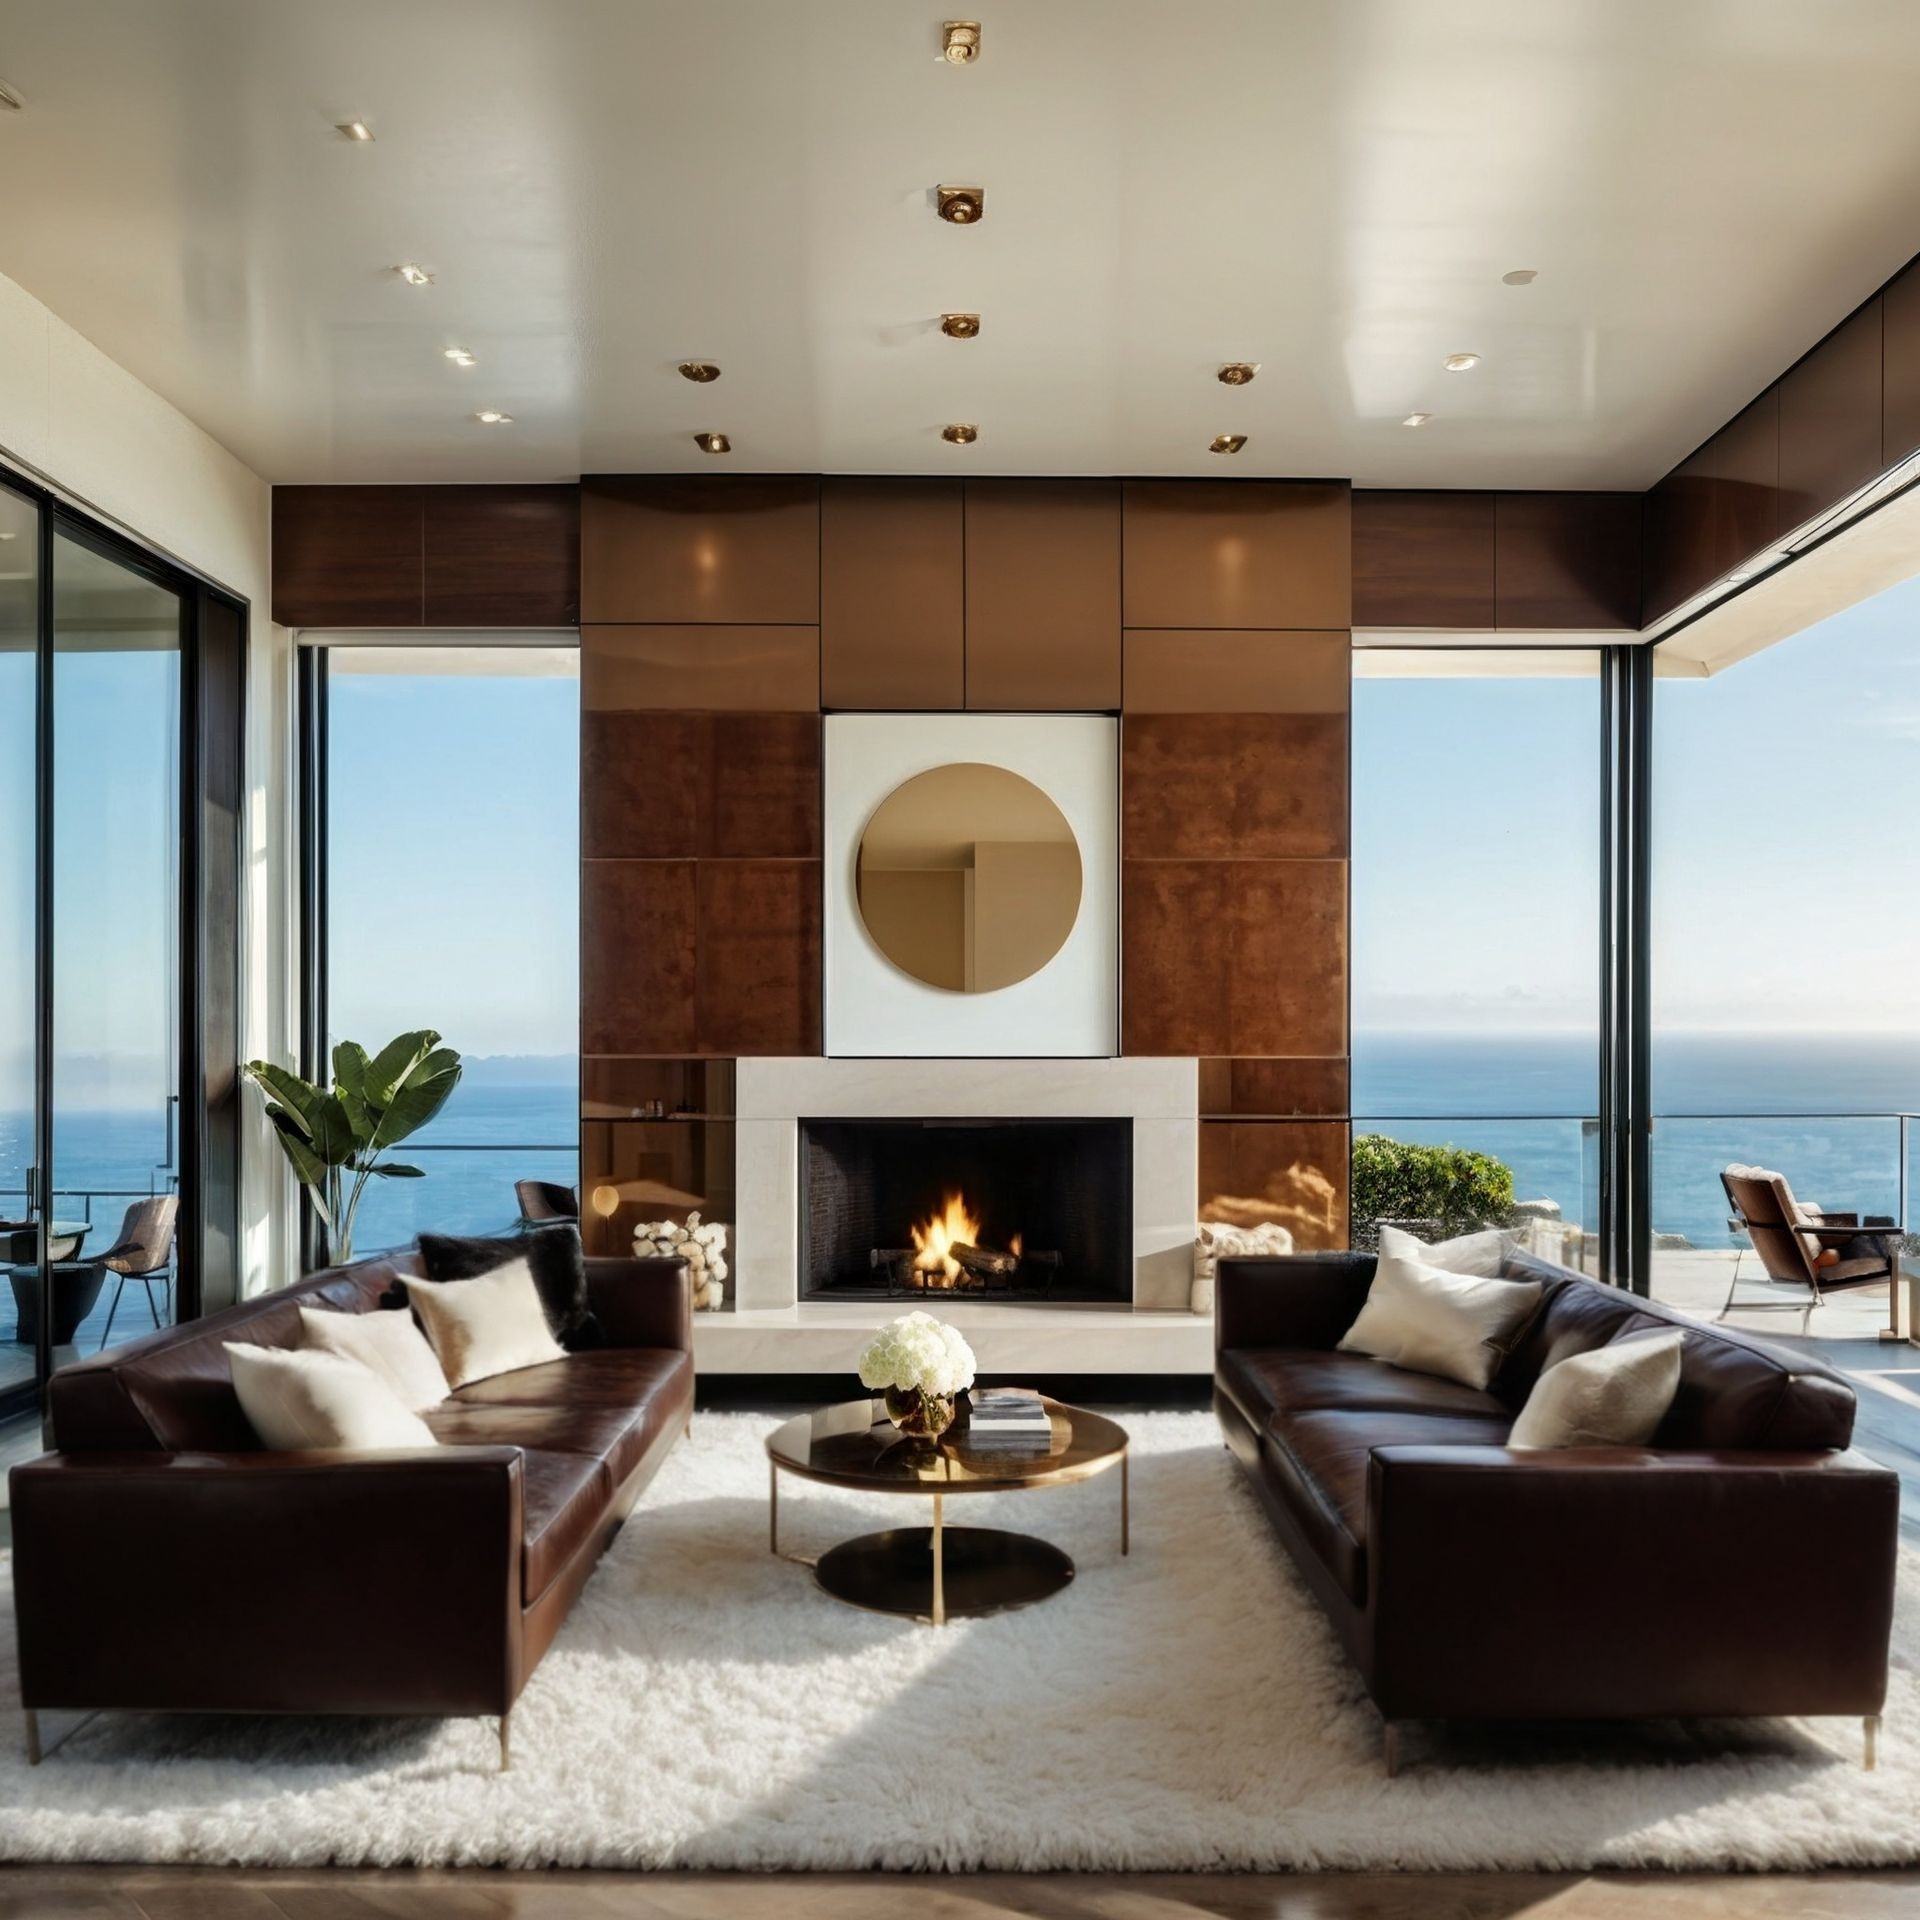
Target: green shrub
x=1451 y=1189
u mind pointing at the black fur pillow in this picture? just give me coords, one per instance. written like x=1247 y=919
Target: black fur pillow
x=559 y=1268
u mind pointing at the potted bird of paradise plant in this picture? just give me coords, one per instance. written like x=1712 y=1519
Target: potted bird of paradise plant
x=335 y=1137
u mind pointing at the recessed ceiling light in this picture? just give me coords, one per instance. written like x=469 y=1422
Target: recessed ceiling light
x=10 y=100
x=960 y=433
x=1416 y=419
x=713 y=443
x=492 y=417
x=963 y=206
x=460 y=357
x=1238 y=373
x=1520 y=277
x=960 y=326
x=960 y=42
x=701 y=372
x=1227 y=443
x=1461 y=362
x=414 y=276
x=355 y=130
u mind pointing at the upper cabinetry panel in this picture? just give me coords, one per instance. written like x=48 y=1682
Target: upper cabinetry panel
x=686 y=551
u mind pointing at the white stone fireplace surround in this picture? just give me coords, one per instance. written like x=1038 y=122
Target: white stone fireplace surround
x=770 y=1330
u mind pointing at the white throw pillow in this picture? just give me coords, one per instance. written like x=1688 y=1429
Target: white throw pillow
x=296 y=1398
x=1431 y=1321
x=386 y=1343
x=491 y=1324
x=1611 y=1396
x=1479 y=1253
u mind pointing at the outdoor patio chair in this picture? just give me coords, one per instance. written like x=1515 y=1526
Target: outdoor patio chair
x=143 y=1252
x=1792 y=1240
x=544 y=1200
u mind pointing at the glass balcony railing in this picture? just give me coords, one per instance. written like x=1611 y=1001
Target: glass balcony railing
x=468 y=1188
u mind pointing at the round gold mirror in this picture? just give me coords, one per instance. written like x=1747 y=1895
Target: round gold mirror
x=968 y=877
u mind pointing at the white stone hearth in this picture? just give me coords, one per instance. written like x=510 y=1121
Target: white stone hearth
x=770 y=1330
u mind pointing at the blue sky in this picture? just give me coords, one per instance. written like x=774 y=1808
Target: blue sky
x=454 y=862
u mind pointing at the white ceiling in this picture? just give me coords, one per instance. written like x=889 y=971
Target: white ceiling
x=604 y=187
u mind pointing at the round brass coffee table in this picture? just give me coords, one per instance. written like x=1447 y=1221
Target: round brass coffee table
x=939 y=1572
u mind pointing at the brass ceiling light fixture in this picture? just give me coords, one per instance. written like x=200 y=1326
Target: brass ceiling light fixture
x=355 y=130
x=1238 y=373
x=1227 y=443
x=960 y=433
x=1461 y=362
x=960 y=326
x=961 y=206
x=9 y=100
x=1520 y=277
x=960 y=42
x=701 y=372
x=713 y=443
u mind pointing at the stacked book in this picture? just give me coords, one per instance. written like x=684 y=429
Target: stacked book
x=1007 y=1420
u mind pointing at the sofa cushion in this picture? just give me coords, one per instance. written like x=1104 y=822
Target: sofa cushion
x=554 y=1256
x=1575 y=1317
x=602 y=1433
x=566 y=1496
x=1265 y=1380
x=613 y=1377
x=1318 y=1463
x=1321 y=1460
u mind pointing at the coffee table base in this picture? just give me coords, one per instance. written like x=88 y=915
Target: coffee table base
x=983 y=1570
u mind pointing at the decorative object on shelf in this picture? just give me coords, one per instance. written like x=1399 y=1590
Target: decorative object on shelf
x=919 y=1363
x=333 y=1137
x=1213 y=1240
x=702 y=1246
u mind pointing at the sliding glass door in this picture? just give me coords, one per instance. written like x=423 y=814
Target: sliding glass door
x=98 y=983
x=20 y=1104
x=116 y=946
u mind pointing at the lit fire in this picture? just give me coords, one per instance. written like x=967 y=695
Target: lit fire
x=934 y=1242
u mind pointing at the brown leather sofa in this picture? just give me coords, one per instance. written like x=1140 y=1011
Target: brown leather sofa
x=163 y=1560
x=1742 y=1565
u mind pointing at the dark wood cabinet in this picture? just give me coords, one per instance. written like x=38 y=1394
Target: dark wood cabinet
x=1422 y=559
x=1566 y=561
x=683 y=550
x=349 y=556
x=1294 y=1173
x=497 y=556
x=1247 y=553
x=892 y=594
x=701 y=669
x=1830 y=419
x=1043 y=595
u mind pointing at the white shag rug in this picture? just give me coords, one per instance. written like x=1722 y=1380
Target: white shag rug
x=1185 y=1708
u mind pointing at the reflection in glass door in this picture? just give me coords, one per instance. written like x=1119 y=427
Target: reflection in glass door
x=19 y=828
x=116 y=1068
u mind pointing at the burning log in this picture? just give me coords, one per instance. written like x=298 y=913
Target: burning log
x=985 y=1263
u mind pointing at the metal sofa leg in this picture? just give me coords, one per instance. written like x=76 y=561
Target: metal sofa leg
x=33 y=1737
x=1870 y=1743
x=1390 y=1747
x=506 y=1740
x=1732 y=1286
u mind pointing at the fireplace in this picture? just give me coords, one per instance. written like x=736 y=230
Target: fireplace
x=1037 y=1211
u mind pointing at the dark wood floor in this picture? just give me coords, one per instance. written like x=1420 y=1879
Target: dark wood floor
x=151 y=1894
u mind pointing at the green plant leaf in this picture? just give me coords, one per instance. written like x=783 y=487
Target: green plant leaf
x=308 y=1167
x=394 y=1062
x=350 y=1066
x=299 y=1097
x=333 y=1136
x=395 y=1170
x=419 y=1097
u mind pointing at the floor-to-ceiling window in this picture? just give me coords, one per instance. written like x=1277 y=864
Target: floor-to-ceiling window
x=1475 y=941
x=451 y=844
x=1785 y=918
x=107 y=1114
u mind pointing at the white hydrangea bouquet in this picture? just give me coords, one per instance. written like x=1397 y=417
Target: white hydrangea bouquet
x=919 y=1363
x=703 y=1248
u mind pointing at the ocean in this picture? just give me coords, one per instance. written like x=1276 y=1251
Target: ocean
x=1820 y=1108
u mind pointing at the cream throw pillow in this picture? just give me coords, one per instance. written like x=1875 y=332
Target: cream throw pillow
x=1478 y=1253
x=480 y=1327
x=387 y=1343
x=1611 y=1396
x=300 y=1399
x=1430 y=1321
